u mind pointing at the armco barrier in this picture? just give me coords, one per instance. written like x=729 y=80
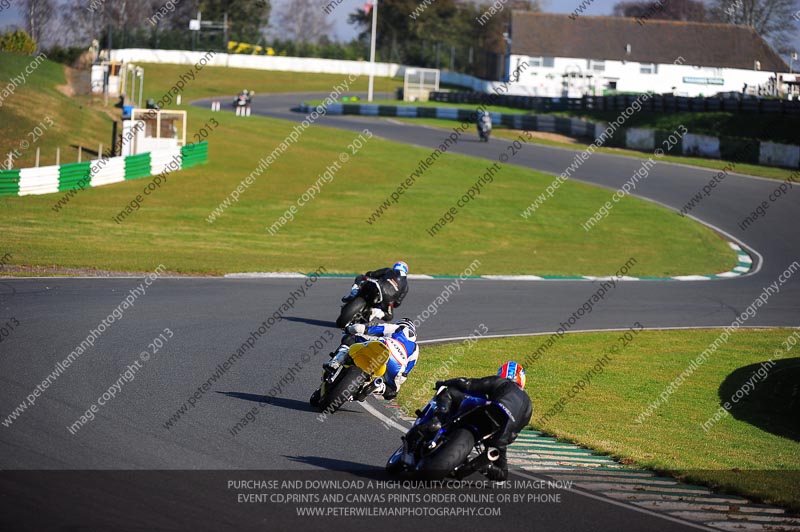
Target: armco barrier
x=99 y=172
x=727 y=148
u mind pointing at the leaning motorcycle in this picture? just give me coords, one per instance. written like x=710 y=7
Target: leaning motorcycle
x=364 y=307
x=358 y=376
x=433 y=450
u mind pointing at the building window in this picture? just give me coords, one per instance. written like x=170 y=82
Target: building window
x=598 y=66
x=648 y=68
x=547 y=62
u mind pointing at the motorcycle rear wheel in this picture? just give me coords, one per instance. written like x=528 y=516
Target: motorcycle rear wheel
x=450 y=454
x=350 y=311
x=347 y=385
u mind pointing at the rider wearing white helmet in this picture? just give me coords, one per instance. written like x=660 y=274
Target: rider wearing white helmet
x=401 y=340
x=394 y=285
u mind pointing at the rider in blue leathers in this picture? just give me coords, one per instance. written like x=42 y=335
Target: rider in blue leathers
x=401 y=340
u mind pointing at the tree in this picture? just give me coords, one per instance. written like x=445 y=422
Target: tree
x=689 y=10
x=772 y=19
x=39 y=15
x=303 y=21
x=17 y=41
x=447 y=33
x=247 y=18
x=134 y=22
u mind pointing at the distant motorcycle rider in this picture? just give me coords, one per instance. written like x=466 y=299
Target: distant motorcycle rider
x=394 y=286
x=243 y=98
x=484 y=123
x=399 y=338
x=506 y=388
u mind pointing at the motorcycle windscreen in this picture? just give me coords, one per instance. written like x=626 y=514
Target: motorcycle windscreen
x=370 y=357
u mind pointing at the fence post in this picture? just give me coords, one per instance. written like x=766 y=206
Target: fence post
x=58 y=156
x=37 y=156
x=80 y=153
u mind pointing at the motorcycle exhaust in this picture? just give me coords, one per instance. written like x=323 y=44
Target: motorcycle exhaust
x=376 y=384
x=479 y=462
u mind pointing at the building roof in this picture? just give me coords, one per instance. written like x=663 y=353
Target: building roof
x=652 y=41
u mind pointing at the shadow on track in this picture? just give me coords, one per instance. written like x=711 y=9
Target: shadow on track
x=345 y=466
x=282 y=402
x=309 y=321
x=291 y=404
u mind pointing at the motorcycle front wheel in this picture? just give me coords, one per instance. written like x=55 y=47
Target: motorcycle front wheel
x=350 y=311
x=450 y=454
x=347 y=384
x=394 y=466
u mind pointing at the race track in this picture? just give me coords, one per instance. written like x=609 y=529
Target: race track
x=209 y=318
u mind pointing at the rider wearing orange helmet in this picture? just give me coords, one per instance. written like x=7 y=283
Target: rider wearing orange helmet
x=506 y=388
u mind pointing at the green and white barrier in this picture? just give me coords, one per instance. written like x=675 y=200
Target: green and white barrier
x=99 y=172
x=646 y=140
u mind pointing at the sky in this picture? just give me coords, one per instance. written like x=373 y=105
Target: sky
x=343 y=31
x=346 y=32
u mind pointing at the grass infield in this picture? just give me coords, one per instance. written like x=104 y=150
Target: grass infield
x=171 y=225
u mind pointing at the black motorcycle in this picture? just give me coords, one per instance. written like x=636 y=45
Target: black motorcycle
x=432 y=450
x=362 y=308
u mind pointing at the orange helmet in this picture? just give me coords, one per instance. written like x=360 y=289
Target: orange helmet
x=513 y=371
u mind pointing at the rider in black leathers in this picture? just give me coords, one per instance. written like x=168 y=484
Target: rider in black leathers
x=394 y=285
x=502 y=389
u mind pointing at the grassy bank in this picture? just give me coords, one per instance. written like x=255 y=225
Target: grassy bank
x=220 y=81
x=63 y=122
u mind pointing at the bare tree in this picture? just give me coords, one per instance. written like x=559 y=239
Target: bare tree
x=39 y=16
x=303 y=20
x=85 y=20
x=689 y=10
x=772 y=19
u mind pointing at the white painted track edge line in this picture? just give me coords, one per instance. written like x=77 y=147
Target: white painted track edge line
x=686 y=328
x=635 y=508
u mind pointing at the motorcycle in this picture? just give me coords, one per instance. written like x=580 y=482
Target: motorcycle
x=360 y=374
x=484 y=130
x=364 y=307
x=432 y=450
x=241 y=100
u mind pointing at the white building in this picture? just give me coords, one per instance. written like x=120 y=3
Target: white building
x=572 y=57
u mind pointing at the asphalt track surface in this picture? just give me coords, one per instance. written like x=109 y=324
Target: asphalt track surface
x=127 y=471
